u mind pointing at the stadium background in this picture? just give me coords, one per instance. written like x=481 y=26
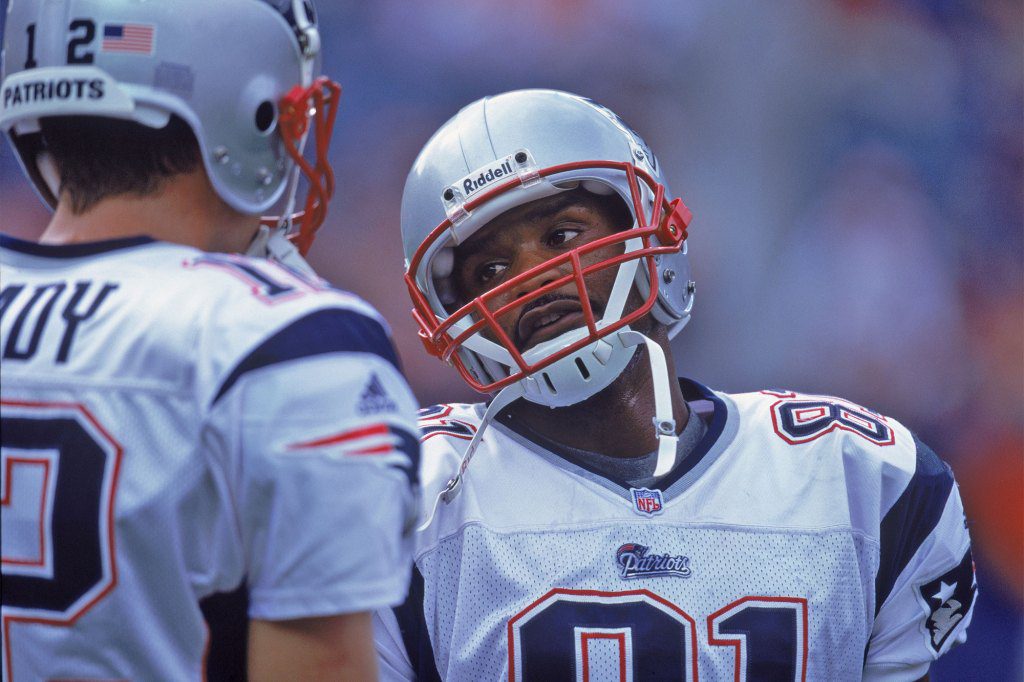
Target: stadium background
x=855 y=171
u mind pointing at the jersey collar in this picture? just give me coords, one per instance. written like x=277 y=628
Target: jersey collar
x=77 y=250
x=720 y=430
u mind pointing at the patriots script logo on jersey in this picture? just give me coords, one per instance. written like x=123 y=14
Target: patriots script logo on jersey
x=634 y=561
x=647 y=502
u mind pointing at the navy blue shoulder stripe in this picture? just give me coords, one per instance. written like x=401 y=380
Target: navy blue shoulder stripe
x=333 y=330
x=912 y=519
x=413 y=625
x=409 y=443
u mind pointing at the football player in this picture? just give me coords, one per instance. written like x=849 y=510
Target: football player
x=176 y=421
x=599 y=518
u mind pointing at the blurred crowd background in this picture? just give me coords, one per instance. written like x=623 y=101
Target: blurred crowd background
x=855 y=171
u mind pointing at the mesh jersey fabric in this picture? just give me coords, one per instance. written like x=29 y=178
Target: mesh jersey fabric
x=805 y=537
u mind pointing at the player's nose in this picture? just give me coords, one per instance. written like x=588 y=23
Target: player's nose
x=546 y=275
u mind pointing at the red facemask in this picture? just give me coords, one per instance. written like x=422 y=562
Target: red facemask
x=668 y=222
x=317 y=103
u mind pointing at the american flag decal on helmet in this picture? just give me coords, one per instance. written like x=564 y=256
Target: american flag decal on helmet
x=130 y=38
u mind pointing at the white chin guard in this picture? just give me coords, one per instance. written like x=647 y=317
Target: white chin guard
x=664 y=422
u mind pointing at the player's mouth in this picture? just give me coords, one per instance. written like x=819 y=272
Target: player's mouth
x=546 y=318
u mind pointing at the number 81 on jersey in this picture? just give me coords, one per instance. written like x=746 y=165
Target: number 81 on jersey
x=589 y=635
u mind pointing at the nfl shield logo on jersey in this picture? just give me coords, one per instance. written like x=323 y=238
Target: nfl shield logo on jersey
x=646 y=502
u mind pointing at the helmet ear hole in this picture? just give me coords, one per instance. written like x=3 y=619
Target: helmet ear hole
x=266 y=117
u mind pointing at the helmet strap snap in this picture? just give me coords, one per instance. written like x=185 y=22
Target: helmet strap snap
x=664 y=422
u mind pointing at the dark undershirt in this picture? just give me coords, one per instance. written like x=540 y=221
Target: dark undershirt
x=637 y=471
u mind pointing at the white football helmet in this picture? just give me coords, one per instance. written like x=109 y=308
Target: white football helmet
x=503 y=151
x=243 y=74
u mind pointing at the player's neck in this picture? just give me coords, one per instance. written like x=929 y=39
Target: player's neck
x=184 y=210
x=618 y=420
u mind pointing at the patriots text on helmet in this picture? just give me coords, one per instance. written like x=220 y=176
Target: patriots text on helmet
x=52 y=88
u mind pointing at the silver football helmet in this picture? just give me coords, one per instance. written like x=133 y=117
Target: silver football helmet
x=503 y=151
x=243 y=74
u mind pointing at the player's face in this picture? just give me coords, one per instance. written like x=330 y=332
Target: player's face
x=527 y=236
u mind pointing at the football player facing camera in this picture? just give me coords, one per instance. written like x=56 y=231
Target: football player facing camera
x=178 y=422
x=599 y=518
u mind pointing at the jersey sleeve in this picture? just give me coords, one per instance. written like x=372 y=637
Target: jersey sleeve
x=925 y=587
x=318 y=427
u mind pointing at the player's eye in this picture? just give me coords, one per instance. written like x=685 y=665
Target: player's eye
x=562 y=235
x=488 y=271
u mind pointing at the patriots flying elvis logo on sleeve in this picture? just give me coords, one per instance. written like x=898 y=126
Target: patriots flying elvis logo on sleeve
x=948 y=599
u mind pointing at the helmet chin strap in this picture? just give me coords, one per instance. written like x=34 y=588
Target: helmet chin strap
x=664 y=423
x=273 y=244
x=451 y=490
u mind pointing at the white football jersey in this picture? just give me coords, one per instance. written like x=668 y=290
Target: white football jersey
x=805 y=538
x=176 y=424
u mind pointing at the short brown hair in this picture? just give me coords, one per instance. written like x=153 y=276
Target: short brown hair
x=100 y=157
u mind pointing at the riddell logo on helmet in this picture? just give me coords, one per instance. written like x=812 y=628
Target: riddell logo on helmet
x=57 y=88
x=471 y=185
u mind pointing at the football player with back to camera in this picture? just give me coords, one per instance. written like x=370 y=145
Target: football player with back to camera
x=178 y=422
x=599 y=518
